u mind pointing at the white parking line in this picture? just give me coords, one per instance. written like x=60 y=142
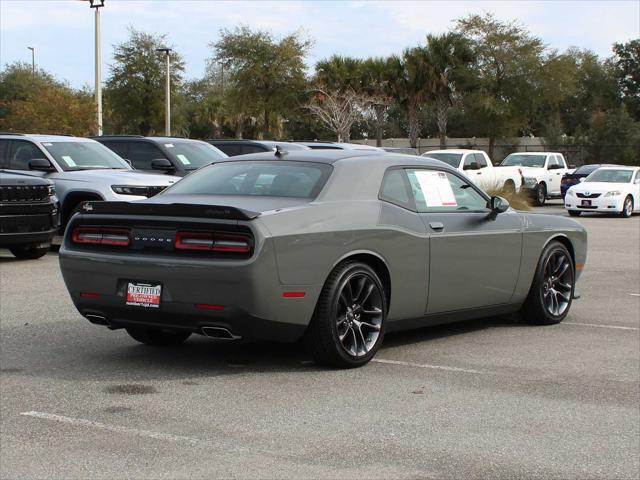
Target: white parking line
x=615 y=327
x=435 y=367
x=81 y=422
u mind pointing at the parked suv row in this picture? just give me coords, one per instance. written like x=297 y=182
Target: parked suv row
x=81 y=169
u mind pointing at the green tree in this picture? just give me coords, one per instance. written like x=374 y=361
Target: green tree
x=263 y=71
x=508 y=59
x=42 y=104
x=375 y=85
x=612 y=137
x=134 y=93
x=448 y=57
x=626 y=64
x=409 y=78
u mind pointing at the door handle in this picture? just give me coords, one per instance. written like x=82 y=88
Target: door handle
x=436 y=226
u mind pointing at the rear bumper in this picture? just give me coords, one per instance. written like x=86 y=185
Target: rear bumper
x=247 y=294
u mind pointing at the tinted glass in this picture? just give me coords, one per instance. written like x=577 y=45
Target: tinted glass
x=610 y=176
x=324 y=147
x=452 y=159
x=261 y=178
x=22 y=153
x=586 y=169
x=4 y=153
x=141 y=154
x=84 y=156
x=443 y=191
x=518 y=160
x=230 y=150
x=482 y=162
x=246 y=149
x=120 y=148
x=192 y=155
x=394 y=188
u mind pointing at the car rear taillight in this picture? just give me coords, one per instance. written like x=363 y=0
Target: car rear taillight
x=213 y=242
x=118 y=237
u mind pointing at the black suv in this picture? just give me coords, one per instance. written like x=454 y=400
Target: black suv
x=29 y=216
x=170 y=155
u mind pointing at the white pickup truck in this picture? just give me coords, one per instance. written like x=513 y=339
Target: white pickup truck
x=542 y=172
x=476 y=165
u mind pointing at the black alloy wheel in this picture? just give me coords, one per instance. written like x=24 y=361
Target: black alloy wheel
x=348 y=324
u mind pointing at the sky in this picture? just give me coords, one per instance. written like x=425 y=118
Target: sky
x=62 y=32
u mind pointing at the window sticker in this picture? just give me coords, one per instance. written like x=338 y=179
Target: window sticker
x=69 y=161
x=169 y=145
x=183 y=159
x=436 y=189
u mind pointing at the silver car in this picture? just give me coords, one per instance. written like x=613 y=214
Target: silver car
x=337 y=247
x=81 y=169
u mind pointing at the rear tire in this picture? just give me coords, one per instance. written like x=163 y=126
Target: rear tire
x=627 y=207
x=574 y=213
x=29 y=252
x=540 y=195
x=157 y=337
x=551 y=292
x=348 y=324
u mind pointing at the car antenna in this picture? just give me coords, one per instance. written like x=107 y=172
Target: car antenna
x=280 y=152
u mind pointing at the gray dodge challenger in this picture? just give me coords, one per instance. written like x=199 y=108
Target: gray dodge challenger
x=333 y=247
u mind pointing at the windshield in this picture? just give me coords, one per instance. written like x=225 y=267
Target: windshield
x=610 y=176
x=194 y=155
x=452 y=159
x=261 y=178
x=586 y=169
x=518 y=160
x=84 y=156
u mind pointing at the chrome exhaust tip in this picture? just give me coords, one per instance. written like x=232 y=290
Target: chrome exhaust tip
x=97 y=319
x=219 y=333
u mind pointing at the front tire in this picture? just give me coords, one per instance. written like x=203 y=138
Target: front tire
x=627 y=207
x=348 y=325
x=551 y=292
x=157 y=337
x=29 y=252
x=540 y=194
x=574 y=213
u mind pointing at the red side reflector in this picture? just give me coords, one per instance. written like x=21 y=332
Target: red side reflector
x=207 y=306
x=89 y=295
x=293 y=294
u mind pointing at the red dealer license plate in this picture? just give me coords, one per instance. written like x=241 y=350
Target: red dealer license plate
x=586 y=203
x=144 y=295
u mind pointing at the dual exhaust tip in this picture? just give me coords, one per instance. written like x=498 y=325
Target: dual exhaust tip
x=219 y=333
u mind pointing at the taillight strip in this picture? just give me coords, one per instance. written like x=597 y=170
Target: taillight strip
x=119 y=237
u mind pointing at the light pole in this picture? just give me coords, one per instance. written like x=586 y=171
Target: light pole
x=167 y=119
x=33 y=61
x=97 y=5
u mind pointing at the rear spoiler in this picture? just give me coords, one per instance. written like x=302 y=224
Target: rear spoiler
x=166 y=210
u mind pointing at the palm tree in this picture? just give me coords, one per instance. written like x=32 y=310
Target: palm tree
x=448 y=56
x=375 y=86
x=408 y=77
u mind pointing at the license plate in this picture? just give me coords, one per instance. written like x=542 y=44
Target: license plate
x=586 y=203
x=144 y=295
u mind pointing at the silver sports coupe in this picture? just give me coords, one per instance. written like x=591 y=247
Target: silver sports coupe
x=334 y=247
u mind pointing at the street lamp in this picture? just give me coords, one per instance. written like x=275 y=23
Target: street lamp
x=167 y=119
x=33 y=61
x=97 y=5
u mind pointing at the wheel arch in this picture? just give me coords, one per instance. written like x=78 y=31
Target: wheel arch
x=564 y=240
x=71 y=201
x=375 y=261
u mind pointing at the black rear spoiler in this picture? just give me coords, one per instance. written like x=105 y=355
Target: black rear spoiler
x=166 y=210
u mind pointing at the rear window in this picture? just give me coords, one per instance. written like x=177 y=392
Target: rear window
x=586 y=169
x=259 y=178
x=451 y=159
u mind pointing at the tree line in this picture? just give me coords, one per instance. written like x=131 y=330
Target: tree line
x=484 y=78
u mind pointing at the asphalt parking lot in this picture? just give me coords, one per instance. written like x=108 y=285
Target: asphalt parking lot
x=482 y=399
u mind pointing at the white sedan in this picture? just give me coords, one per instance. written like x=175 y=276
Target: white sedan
x=607 y=190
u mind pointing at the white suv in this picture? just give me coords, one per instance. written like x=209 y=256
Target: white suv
x=82 y=169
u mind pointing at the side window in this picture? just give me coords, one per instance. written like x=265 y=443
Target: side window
x=436 y=191
x=22 y=153
x=482 y=162
x=141 y=154
x=561 y=161
x=231 y=150
x=120 y=148
x=394 y=188
x=553 y=161
x=245 y=149
x=637 y=179
x=470 y=162
x=4 y=153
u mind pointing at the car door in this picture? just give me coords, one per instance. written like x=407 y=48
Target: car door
x=484 y=178
x=474 y=260
x=555 y=168
x=635 y=190
x=470 y=167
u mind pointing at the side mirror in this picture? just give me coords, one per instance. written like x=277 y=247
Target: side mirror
x=497 y=205
x=472 y=166
x=41 y=165
x=582 y=179
x=161 y=164
x=637 y=181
